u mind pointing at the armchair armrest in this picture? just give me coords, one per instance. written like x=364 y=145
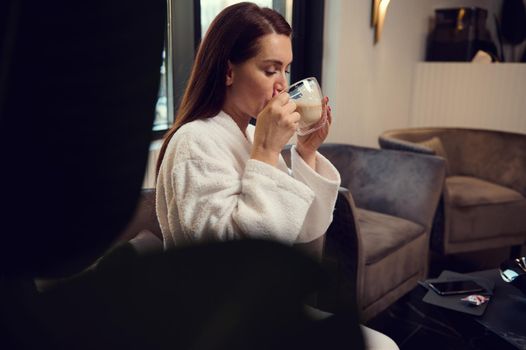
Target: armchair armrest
x=341 y=257
x=386 y=142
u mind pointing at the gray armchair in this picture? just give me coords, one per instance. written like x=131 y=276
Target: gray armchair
x=377 y=244
x=483 y=205
x=379 y=237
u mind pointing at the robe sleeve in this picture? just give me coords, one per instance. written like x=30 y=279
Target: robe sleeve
x=324 y=182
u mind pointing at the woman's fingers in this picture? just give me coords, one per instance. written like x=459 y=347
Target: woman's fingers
x=284 y=106
x=289 y=107
x=295 y=117
x=327 y=110
x=283 y=98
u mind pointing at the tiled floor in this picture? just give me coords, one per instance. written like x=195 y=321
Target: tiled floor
x=412 y=329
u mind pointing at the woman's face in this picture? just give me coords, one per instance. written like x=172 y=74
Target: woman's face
x=251 y=84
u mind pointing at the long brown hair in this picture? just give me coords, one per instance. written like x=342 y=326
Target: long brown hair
x=232 y=36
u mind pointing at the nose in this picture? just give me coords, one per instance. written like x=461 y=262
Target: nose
x=280 y=84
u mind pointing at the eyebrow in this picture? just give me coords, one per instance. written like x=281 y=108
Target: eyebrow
x=278 y=62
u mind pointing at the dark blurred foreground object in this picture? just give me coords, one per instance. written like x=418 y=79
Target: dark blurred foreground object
x=230 y=295
x=513 y=19
x=458 y=34
x=78 y=88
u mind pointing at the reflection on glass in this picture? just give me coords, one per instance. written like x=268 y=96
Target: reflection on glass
x=161 y=121
x=211 y=8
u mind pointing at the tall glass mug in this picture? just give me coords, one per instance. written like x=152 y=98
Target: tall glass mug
x=308 y=97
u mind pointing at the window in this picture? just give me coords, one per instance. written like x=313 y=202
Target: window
x=211 y=8
x=161 y=121
x=178 y=57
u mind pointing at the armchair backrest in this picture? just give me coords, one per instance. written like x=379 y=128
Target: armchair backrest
x=491 y=155
x=144 y=218
x=402 y=184
x=342 y=256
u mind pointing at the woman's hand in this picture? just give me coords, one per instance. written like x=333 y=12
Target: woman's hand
x=307 y=145
x=276 y=124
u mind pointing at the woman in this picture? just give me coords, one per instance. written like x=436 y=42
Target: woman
x=221 y=178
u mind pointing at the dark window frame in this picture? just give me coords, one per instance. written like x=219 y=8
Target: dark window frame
x=307 y=40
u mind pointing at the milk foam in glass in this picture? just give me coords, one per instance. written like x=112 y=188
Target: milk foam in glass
x=308 y=97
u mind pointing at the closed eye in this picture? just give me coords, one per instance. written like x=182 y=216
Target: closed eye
x=272 y=72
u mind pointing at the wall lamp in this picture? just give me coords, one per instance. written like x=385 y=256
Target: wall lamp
x=378 y=12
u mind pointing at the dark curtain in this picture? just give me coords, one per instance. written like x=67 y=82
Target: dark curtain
x=307 y=41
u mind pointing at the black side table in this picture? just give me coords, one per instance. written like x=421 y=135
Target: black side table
x=414 y=324
x=506 y=313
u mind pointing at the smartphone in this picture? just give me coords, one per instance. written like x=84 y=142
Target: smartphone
x=456 y=287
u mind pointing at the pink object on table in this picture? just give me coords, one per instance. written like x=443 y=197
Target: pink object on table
x=476 y=299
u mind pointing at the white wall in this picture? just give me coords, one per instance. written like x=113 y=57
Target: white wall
x=370 y=86
x=486 y=96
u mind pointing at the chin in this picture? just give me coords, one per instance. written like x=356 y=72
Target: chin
x=256 y=112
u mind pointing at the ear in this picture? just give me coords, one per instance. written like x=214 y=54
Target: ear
x=229 y=74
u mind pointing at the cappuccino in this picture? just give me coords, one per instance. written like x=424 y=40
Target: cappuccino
x=307 y=95
x=310 y=112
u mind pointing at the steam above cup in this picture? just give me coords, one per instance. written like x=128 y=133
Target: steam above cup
x=308 y=97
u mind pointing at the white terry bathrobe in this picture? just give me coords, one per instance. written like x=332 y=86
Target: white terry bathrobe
x=208 y=188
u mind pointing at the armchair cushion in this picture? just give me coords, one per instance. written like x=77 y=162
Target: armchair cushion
x=479 y=222
x=468 y=191
x=384 y=234
x=480 y=210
